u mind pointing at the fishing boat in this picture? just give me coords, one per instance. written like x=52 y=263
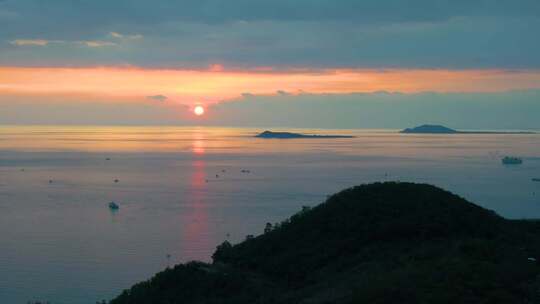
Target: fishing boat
x=512 y=160
x=113 y=206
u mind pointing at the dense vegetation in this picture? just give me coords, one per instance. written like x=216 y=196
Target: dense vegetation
x=377 y=243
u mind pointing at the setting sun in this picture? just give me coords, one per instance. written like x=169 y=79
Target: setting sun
x=199 y=110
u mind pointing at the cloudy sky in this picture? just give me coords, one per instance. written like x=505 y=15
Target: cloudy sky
x=302 y=63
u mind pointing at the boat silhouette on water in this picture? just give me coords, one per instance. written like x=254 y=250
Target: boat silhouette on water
x=511 y=160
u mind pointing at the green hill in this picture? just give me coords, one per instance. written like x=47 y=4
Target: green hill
x=377 y=243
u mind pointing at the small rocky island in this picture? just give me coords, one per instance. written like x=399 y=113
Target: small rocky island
x=439 y=129
x=430 y=129
x=286 y=135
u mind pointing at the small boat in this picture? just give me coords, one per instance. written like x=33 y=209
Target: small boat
x=511 y=160
x=113 y=206
x=536 y=179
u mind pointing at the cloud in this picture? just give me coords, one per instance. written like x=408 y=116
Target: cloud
x=191 y=86
x=137 y=12
x=280 y=33
x=282 y=93
x=95 y=43
x=44 y=42
x=216 y=67
x=38 y=42
x=116 y=35
x=389 y=110
x=7 y=15
x=457 y=110
x=158 y=97
x=122 y=36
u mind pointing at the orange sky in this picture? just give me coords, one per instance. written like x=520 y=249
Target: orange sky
x=208 y=86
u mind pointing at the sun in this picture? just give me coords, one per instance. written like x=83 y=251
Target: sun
x=198 y=110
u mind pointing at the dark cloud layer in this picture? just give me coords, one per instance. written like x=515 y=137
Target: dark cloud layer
x=214 y=11
x=312 y=33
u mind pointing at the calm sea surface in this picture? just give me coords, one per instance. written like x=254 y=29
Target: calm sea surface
x=181 y=192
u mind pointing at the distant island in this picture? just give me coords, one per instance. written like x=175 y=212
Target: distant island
x=285 y=135
x=435 y=129
x=438 y=129
x=379 y=243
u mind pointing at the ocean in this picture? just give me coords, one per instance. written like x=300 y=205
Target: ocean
x=184 y=190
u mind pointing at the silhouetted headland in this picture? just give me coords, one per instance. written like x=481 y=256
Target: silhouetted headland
x=438 y=129
x=285 y=135
x=378 y=243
